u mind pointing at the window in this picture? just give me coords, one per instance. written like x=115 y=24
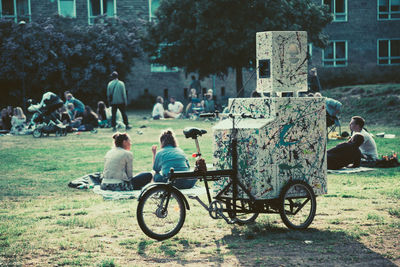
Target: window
x=153 y=5
x=16 y=9
x=155 y=67
x=101 y=7
x=338 y=8
x=66 y=8
x=389 y=52
x=335 y=54
x=388 y=9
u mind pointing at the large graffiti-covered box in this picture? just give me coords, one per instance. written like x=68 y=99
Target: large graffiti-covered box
x=286 y=141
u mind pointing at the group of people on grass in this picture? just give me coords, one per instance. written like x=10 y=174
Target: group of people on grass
x=74 y=115
x=176 y=109
x=118 y=164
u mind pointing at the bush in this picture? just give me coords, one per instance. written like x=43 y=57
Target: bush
x=58 y=54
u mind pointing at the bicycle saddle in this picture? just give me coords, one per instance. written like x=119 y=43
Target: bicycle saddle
x=193 y=132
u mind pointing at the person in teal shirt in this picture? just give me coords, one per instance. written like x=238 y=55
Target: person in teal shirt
x=170 y=156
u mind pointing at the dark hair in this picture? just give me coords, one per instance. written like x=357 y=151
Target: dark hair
x=119 y=138
x=193 y=77
x=357 y=139
x=167 y=138
x=114 y=75
x=359 y=121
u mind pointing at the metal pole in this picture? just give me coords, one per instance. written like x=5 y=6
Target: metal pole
x=22 y=24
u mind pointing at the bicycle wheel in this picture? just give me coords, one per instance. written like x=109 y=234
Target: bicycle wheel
x=242 y=217
x=161 y=213
x=298 y=205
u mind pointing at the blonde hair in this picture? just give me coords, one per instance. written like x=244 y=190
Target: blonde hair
x=19 y=113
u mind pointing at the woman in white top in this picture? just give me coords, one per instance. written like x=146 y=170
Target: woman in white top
x=18 y=122
x=117 y=174
x=158 y=109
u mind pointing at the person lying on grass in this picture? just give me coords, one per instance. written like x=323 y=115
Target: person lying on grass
x=346 y=154
x=118 y=165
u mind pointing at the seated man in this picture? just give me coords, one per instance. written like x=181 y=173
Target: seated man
x=346 y=154
x=79 y=106
x=175 y=109
x=368 y=147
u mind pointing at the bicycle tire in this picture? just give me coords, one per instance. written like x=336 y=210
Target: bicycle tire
x=155 y=222
x=297 y=205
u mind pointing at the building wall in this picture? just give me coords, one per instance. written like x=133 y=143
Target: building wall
x=361 y=30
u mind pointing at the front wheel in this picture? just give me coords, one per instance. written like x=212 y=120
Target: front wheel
x=37 y=133
x=298 y=205
x=161 y=213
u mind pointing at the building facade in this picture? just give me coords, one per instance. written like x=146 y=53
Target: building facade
x=364 y=43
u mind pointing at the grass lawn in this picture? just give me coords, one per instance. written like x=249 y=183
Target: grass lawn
x=43 y=222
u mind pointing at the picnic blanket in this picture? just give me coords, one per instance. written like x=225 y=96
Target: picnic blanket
x=351 y=170
x=93 y=181
x=115 y=195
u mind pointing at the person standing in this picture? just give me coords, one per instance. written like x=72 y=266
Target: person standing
x=314 y=84
x=116 y=96
x=195 y=84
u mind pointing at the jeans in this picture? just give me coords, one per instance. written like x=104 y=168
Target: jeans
x=178 y=183
x=136 y=183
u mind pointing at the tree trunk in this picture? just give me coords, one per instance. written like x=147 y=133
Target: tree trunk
x=239 y=82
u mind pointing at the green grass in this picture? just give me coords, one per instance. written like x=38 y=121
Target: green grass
x=43 y=222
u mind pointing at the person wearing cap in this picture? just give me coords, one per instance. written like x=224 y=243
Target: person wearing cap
x=116 y=96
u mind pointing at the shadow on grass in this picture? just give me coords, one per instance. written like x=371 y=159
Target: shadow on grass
x=268 y=245
x=258 y=244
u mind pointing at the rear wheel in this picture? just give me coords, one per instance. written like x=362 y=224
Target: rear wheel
x=298 y=205
x=161 y=213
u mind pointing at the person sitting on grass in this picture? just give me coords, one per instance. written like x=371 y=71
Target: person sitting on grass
x=175 y=109
x=158 y=109
x=368 y=148
x=18 y=122
x=118 y=164
x=102 y=114
x=170 y=156
x=346 y=154
x=89 y=120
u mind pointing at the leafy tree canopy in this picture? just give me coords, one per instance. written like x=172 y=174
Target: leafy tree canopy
x=57 y=54
x=212 y=36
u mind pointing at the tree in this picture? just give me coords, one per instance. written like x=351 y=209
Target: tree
x=213 y=36
x=57 y=54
